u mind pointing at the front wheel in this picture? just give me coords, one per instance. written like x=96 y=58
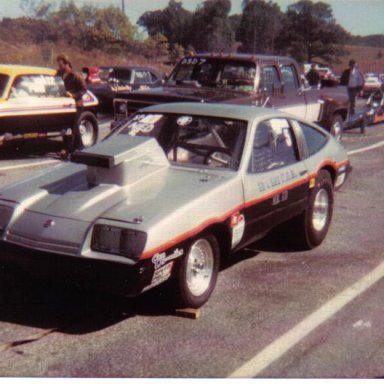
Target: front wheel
x=198 y=272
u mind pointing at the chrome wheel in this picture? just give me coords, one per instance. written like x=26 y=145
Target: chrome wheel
x=87 y=133
x=320 y=210
x=200 y=265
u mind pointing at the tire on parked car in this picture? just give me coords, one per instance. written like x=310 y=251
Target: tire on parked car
x=89 y=131
x=198 y=270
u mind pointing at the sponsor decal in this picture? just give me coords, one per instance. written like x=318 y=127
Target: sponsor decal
x=193 y=61
x=161 y=258
x=237 y=226
x=160 y=275
x=312 y=182
x=279 y=198
x=182 y=121
x=120 y=88
x=275 y=181
x=143 y=123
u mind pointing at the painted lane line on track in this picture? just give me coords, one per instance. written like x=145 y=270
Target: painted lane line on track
x=36 y=164
x=280 y=346
x=365 y=149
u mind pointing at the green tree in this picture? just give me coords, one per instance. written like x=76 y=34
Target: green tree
x=90 y=27
x=174 y=22
x=259 y=27
x=310 y=32
x=211 y=27
x=156 y=46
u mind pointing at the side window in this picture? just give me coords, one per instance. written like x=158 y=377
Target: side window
x=142 y=77
x=289 y=77
x=37 y=86
x=270 y=78
x=54 y=86
x=314 y=139
x=121 y=74
x=273 y=146
x=154 y=78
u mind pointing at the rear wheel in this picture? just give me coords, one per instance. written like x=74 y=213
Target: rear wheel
x=311 y=227
x=198 y=272
x=318 y=215
x=88 y=128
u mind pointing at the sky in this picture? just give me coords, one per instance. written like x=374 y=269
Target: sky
x=360 y=17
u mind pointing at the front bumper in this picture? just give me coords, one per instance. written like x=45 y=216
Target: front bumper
x=92 y=274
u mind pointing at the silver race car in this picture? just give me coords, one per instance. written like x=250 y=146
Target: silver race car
x=169 y=195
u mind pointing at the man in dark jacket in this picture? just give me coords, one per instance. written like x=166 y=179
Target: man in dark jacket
x=353 y=79
x=313 y=77
x=75 y=87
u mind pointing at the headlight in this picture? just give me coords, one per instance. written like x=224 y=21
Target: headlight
x=118 y=241
x=5 y=216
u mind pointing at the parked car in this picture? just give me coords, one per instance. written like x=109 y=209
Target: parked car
x=324 y=70
x=372 y=84
x=171 y=194
x=114 y=79
x=242 y=79
x=33 y=105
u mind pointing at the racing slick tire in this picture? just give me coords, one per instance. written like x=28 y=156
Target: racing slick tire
x=197 y=273
x=89 y=131
x=316 y=219
x=336 y=126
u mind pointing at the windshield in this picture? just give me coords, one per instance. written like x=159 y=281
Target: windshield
x=121 y=74
x=192 y=140
x=3 y=83
x=215 y=72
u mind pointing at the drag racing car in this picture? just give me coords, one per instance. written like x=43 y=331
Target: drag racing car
x=171 y=193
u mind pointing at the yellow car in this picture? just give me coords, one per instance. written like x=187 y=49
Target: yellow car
x=33 y=105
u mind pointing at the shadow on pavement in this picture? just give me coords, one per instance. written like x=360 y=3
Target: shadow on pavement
x=46 y=305
x=30 y=150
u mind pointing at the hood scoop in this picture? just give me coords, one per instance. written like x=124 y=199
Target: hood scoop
x=121 y=160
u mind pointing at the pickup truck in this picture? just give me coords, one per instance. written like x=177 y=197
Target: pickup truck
x=259 y=80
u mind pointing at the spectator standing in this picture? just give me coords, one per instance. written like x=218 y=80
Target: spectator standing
x=354 y=80
x=75 y=87
x=313 y=77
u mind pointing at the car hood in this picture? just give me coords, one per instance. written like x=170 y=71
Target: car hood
x=58 y=209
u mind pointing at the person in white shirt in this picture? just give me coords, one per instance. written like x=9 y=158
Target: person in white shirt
x=354 y=80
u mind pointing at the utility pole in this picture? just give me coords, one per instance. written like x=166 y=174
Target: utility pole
x=123 y=5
